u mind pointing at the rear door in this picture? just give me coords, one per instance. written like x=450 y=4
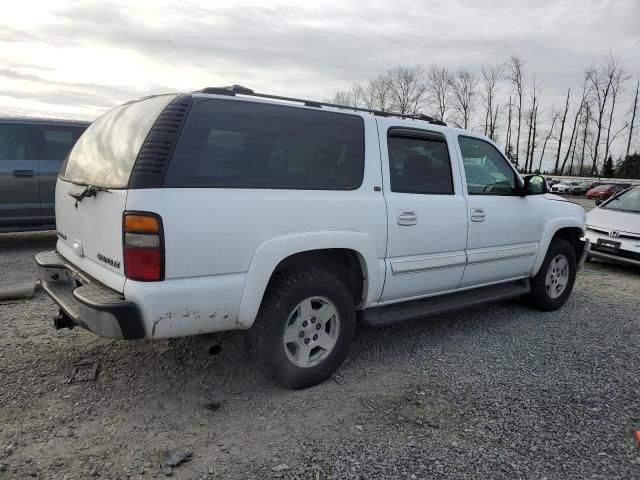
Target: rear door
x=427 y=212
x=55 y=142
x=19 y=201
x=90 y=230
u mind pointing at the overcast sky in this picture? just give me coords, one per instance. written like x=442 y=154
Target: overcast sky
x=78 y=58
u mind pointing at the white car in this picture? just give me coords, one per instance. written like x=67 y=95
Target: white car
x=225 y=209
x=561 y=188
x=613 y=228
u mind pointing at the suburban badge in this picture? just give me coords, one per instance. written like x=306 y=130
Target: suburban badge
x=109 y=261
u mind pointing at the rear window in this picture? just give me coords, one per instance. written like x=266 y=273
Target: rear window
x=104 y=155
x=237 y=144
x=58 y=140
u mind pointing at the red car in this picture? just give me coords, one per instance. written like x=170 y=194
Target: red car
x=603 y=192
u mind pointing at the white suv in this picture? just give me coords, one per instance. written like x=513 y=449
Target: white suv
x=226 y=209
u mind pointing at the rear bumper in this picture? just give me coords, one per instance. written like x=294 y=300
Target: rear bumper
x=88 y=303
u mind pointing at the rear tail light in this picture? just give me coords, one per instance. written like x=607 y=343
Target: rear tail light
x=143 y=247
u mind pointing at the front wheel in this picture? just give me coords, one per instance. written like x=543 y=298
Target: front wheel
x=305 y=327
x=552 y=285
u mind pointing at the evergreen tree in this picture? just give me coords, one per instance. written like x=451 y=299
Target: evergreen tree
x=607 y=170
x=629 y=167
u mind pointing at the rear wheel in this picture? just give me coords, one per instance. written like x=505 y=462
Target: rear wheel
x=305 y=327
x=552 y=285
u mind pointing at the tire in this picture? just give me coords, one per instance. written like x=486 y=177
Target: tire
x=306 y=305
x=559 y=265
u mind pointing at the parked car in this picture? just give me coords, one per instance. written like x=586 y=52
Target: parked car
x=579 y=188
x=31 y=153
x=292 y=218
x=603 y=192
x=613 y=228
x=562 y=188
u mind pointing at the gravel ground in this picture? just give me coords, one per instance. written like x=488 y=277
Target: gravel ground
x=499 y=391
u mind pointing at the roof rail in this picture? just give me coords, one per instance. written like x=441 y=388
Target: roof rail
x=233 y=90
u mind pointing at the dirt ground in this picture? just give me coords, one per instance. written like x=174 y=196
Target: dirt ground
x=499 y=391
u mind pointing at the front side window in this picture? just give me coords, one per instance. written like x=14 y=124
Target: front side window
x=237 y=144
x=487 y=171
x=14 y=143
x=419 y=165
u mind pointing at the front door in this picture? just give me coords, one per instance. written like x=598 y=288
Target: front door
x=427 y=212
x=19 y=200
x=504 y=227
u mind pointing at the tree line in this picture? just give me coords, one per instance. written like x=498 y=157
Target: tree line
x=505 y=103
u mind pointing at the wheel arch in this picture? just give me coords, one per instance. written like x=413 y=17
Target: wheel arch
x=341 y=253
x=570 y=229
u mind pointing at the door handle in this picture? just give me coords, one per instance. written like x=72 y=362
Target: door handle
x=407 y=217
x=23 y=173
x=477 y=215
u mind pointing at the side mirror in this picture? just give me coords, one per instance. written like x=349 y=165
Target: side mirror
x=534 y=185
x=599 y=202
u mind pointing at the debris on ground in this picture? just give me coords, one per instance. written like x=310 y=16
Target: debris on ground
x=213 y=406
x=17 y=291
x=281 y=468
x=169 y=459
x=84 y=372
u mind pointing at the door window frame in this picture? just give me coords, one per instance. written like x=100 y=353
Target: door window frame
x=419 y=134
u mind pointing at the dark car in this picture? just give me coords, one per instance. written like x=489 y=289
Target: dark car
x=31 y=154
x=579 y=188
x=603 y=192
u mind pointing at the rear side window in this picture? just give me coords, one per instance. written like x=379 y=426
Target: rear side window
x=57 y=141
x=105 y=154
x=419 y=165
x=237 y=144
x=16 y=142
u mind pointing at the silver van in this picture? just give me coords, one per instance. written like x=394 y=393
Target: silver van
x=31 y=153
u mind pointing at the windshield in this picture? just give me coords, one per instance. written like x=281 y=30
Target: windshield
x=603 y=187
x=104 y=155
x=628 y=201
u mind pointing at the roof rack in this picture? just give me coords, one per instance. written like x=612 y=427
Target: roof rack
x=233 y=90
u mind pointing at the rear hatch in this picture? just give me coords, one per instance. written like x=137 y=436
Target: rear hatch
x=91 y=192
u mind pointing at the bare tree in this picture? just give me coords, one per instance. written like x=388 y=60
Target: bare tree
x=616 y=85
x=572 y=139
x=531 y=121
x=464 y=94
x=407 y=89
x=491 y=77
x=507 y=146
x=585 y=133
x=562 y=123
x=342 y=98
x=534 y=137
x=634 y=109
x=546 y=139
x=600 y=80
x=380 y=90
x=439 y=87
x=515 y=66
